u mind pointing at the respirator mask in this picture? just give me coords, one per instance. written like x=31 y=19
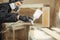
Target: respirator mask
x=14 y=7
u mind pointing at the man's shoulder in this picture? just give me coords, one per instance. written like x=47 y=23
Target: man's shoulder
x=4 y=4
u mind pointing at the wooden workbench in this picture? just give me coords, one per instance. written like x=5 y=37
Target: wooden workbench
x=22 y=26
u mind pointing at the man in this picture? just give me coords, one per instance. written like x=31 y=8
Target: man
x=7 y=16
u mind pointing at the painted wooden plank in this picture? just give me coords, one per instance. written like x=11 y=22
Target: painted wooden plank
x=52 y=33
x=56 y=29
x=46 y=17
x=37 y=34
x=17 y=25
x=33 y=5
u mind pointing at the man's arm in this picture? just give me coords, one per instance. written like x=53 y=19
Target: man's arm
x=15 y=17
x=11 y=18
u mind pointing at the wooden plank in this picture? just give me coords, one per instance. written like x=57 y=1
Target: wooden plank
x=39 y=35
x=5 y=1
x=52 y=33
x=17 y=25
x=33 y=5
x=56 y=29
x=46 y=17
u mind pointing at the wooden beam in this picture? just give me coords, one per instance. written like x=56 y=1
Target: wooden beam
x=56 y=29
x=39 y=35
x=52 y=33
x=32 y=5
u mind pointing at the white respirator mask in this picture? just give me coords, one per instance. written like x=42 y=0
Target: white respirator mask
x=14 y=7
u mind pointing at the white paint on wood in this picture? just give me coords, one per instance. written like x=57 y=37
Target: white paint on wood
x=37 y=34
x=56 y=29
x=52 y=33
x=32 y=5
x=46 y=16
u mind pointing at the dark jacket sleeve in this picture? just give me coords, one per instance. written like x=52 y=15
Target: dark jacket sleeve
x=11 y=18
x=25 y=18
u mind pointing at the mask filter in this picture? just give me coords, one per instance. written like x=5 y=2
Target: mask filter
x=16 y=8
